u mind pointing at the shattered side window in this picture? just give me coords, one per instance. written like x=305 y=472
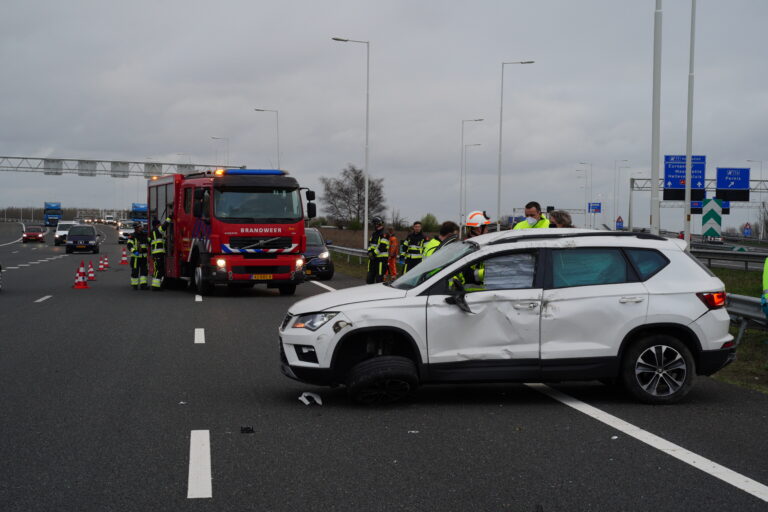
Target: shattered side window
x=510 y=272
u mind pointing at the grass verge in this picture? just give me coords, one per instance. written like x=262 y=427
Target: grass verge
x=750 y=370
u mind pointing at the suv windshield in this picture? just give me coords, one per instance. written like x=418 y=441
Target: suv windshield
x=314 y=239
x=252 y=204
x=82 y=230
x=434 y=264
x=63 y=226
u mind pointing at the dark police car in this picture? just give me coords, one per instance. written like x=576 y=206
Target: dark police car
x=318 y=258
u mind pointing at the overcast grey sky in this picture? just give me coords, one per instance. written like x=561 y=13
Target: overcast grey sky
x=148 y=79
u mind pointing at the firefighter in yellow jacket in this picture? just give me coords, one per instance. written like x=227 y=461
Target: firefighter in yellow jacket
x=378 y=252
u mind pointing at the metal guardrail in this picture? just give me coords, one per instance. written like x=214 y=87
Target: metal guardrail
x=360 y=253
x=730 y=256
x=746 y=312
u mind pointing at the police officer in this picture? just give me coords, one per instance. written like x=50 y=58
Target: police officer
x=533 y=217
x=157 y=249
x=137 y=245
x=413 y=247
x=378 y=252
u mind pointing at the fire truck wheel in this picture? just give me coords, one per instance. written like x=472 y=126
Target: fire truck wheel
x=287 y=289
x=202 y=285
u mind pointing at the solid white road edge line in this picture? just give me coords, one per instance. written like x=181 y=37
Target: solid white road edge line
x=199 y=479
x=41 y=299
x=199 y=335
x=321 y=285
x=198 y=298
x=712 y=468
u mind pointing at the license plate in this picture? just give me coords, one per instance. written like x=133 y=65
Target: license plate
x=81 y=247
x=262 y=277
x=308 y=272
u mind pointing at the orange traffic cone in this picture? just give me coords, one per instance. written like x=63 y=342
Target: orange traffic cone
x=91 y=274
x=101 y=265
x=80 y=282
x=106 y=261
x=124 y=259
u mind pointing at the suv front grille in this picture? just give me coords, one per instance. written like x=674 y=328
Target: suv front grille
x=241 y=242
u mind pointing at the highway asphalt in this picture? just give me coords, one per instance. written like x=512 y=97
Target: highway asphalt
x=101 y=389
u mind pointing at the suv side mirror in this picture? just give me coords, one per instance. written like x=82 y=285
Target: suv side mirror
x=457 y=298
x=310 y=195
x=329 y=242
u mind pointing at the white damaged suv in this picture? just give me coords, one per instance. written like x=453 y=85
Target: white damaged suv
x=520 y=306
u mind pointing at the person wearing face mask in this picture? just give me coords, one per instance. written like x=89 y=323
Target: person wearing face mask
x=533 y=217
x=560 y=219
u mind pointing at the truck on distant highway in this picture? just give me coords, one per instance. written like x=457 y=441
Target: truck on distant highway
x=138 y=212
x=232 y=226
x=51 y=213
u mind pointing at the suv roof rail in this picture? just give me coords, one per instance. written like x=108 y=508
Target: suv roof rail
x=643 y=236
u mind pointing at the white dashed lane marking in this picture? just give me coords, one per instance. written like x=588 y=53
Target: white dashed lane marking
x=199 y=478
x=199 y=335
x=198 y=298
x=41 y=299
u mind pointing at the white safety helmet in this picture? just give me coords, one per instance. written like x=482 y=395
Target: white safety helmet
x=476 y=219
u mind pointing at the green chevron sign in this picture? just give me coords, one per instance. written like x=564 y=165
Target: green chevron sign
x=712 y=217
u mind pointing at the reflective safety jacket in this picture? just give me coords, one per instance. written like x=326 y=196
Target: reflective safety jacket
x=765 y=279
x=435 y=244
x=157 y=238
x=413 y=246
x=137 y=245
x=543 y=223
x=378 y=245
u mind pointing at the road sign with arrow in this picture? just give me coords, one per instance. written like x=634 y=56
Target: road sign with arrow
x=674 y=177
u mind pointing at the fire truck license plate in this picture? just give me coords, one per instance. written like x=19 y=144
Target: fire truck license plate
x=264 y=277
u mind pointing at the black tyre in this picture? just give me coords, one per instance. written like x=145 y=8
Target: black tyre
x=326 y=277
x=200 y=284
x=658 y=369
x=57 y=243
x=68 y=250
x=96 y=250
x=287 y=289
x=382 y=380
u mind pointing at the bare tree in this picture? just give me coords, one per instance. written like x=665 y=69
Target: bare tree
x=344 y=197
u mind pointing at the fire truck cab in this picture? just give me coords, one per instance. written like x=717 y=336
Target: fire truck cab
x=232 y=226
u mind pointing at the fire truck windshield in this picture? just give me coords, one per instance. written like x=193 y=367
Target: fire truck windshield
x=253 y=204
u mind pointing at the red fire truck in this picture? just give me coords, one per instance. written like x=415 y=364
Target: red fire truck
x=232 y=226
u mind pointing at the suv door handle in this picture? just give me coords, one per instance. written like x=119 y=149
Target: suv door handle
x=526 y=305
x=625 y=300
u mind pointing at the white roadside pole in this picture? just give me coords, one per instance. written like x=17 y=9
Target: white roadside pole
x=655 y=121
x=689 y=133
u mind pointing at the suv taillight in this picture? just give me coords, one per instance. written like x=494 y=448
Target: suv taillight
x=713 y=300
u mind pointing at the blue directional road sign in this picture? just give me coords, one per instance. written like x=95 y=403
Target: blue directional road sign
x=732 y=184
x=674 y=177
x=595 y=207
x=696 y=207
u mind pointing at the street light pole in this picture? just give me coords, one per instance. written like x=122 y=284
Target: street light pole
x=462 y=171
x=277 y=130
x=225 y=139
x=590 y=189
x=586 y=201
x=501 y=124
x=466 y=174
x=367 y=118
x=760 y=231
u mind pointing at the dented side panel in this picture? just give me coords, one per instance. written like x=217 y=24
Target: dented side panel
x=504 y=324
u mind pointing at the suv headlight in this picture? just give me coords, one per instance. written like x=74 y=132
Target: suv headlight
x=313 y=321
x=324 y=255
